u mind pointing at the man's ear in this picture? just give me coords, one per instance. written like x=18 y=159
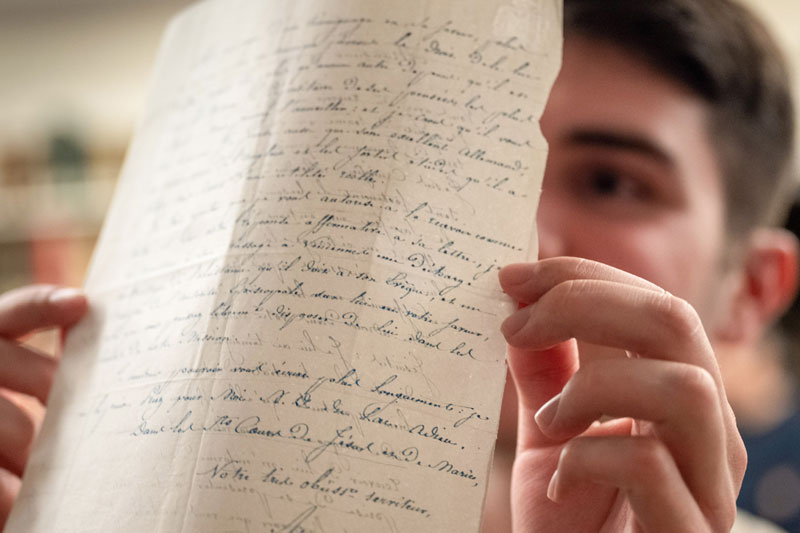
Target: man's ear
x=767 y=285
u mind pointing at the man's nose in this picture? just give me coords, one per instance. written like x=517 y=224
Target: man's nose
x=549 y=245
x=550 y=231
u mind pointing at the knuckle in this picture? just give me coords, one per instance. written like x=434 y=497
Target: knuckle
x=39 y=303
x=678 y=316
x=26 y=305
x=28 y=295
x=697 y=388
x=562 y=293
x=40 y=299
x=738 y=460
x=586 y=268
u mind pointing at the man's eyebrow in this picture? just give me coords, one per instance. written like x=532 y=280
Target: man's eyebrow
x=621 y=141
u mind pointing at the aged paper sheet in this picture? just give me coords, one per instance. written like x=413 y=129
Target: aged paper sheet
x=295 y=313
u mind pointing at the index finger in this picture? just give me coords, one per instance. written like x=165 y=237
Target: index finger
x=35 y=307
x=527 y=282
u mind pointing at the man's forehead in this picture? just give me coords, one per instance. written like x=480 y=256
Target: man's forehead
x=608 y=98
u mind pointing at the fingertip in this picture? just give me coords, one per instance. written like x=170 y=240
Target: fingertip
x=515 y=273
x=65 y=294
x=69 y=301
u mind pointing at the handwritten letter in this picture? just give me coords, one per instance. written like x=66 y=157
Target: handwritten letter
x=295 y=321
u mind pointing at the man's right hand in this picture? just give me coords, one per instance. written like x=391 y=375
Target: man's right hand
x=644 y=443
x=26 y=375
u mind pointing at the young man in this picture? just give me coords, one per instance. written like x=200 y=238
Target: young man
x=669 y=130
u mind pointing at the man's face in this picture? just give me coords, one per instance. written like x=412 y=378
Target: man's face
x=631 y=178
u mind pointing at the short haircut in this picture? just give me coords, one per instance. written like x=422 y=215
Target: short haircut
x=725 y=56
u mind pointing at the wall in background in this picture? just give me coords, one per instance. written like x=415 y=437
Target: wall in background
x=80 y=62
x=73 y=77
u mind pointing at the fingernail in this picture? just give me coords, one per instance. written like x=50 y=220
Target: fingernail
x=514 y=323
x=60 y=296
x=552 y=487
x=546 y=413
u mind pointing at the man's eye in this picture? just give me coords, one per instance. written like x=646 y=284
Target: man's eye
x=606 y=182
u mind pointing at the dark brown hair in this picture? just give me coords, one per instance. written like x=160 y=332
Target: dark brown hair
x=725 y=56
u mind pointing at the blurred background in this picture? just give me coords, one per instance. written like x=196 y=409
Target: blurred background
x=73 y=77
